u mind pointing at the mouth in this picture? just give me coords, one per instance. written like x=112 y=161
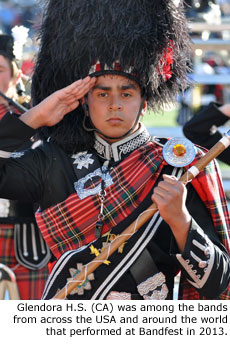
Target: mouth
x=114 y=120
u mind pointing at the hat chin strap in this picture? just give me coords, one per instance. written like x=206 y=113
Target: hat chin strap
x=106 y=136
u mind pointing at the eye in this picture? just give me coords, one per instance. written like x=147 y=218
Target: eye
x=126 y=94
x=103 y=94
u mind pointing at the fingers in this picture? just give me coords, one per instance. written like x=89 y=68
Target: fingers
x=81 y=87
x=71 y=94
x=170 y=197
x=74 y=105
x=168 y=183
x=82 y=83
x=170 y=178
x=170 y=187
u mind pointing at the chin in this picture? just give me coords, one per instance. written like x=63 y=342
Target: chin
x=114 y=136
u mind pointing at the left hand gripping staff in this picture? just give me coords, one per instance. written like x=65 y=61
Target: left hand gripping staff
x=179 y=149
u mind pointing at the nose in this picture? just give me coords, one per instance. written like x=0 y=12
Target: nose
x=115 y=103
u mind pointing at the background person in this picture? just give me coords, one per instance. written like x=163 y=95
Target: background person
x=202 y=129
x=22 y=247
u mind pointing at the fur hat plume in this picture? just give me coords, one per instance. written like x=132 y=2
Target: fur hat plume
x=147 y=37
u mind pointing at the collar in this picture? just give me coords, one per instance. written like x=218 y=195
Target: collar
x=121 y=148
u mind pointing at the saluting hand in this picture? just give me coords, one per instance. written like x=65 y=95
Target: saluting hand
x=52 y=109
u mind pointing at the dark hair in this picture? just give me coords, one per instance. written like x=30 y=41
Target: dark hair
x=69 y=133
x=7 y=46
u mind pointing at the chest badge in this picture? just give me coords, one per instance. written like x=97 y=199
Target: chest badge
x=83 y=159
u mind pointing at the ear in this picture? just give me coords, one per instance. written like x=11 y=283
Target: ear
x=84 y=105
x=144 y=109
x=82 y=101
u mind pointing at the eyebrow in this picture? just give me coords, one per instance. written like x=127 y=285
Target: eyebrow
x=108 y=88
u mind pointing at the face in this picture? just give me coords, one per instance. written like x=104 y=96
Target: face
x=7 y=82
x=114 y=103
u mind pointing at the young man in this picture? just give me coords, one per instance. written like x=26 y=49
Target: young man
x=22 y=248
x=99 y=168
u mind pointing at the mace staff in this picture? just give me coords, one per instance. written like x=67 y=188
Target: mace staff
x=192 y=172
x=13 y=103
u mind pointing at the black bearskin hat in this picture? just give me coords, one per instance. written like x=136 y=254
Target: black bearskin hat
x=7 y=46
x=149 y=36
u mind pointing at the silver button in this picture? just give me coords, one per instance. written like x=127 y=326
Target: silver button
x=202 y=264
x=206 y=251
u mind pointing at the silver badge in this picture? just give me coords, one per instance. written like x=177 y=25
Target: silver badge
x=83 y=192
x=179 y=152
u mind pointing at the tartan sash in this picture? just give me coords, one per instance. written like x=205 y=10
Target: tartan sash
x=99 y=284
x=71 y=224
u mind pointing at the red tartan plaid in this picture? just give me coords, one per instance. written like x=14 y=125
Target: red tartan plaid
x=187 y=292
x=71 y=223
x=30 y=283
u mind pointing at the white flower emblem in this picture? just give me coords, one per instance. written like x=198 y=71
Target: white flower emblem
x=82 y=159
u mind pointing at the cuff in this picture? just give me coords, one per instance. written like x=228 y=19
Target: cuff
x=214 y=113
x=13 y=133
x=198 y=257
